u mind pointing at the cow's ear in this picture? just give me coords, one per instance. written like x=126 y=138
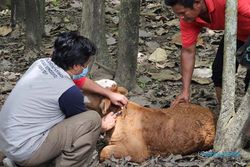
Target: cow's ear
x=122 y=90
x=104 y=106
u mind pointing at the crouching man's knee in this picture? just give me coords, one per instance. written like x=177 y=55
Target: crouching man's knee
x=82 y=134
x=89 y=119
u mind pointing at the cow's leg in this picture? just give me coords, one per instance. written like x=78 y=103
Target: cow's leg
x=116 y=151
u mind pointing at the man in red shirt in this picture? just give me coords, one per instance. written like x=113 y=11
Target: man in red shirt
x=195 y=14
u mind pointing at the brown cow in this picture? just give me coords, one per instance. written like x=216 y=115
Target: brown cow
x=142 y=132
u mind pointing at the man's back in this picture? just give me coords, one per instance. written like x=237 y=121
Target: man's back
x=32 y=108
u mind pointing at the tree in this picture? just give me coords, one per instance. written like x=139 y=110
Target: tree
x=34 y=21
x=17 y=12
x=128 y=43
x=5 y=4
x=231 y=124
x=93 y=27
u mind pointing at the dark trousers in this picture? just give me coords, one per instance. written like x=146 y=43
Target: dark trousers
x=218 y=66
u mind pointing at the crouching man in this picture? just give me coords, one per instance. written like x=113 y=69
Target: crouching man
x=44 y=116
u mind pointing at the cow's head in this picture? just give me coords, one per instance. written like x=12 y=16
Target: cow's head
x=102 y=104
x=106 y=105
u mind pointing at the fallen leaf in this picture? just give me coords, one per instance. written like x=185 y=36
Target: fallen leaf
x=76 y=4
x=56 y=20
x=202 y=63
x=161 y=31
x=47 y=29
x=144 y=79
x=72 y=27
x=7 y=87
x=158 y=55
x=152 y=45
x=5 y=30
x=174 y=22
x=111 y=41
x=202 y=81
x=170 y=64
x=144 y=34
x=66 y=20
x=202 y=73
x=166 y=75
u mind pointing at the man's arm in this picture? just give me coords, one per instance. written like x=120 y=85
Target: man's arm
x=71 y=102
x=187 y=68
x=91 y=86
x=109 y=120
x=116 y=98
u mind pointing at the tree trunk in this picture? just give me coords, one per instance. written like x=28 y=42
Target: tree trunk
x=93 y=27
x=128 y=43
x=5 y=4
x=33 y=19
x=237 y=124
x=41 y=8
x=224 y=140
x=234 y=135
x=17 y=12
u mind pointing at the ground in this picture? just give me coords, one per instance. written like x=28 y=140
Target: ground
x=158 y=83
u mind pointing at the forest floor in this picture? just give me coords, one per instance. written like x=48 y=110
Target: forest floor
x=158 y=82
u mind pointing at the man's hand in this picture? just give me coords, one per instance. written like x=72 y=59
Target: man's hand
x=118 y=99
x=187 y=68
x=182 y=98
x=108 y=122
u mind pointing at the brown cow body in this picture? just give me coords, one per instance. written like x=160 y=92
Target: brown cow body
x=142 y=132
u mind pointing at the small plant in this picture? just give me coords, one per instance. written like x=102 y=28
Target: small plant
x=141 y=84
x=55 y=2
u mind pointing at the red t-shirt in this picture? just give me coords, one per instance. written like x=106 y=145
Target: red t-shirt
x=216 y=9
x=80 y=82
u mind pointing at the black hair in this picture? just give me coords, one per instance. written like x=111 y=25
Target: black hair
x=185 y=3
x=71 y=49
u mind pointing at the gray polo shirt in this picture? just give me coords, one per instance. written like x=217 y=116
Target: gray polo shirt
x=32 y=108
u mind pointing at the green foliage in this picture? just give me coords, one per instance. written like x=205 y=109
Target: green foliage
x=141 y=84
x=90 y=76
x=55 y=2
